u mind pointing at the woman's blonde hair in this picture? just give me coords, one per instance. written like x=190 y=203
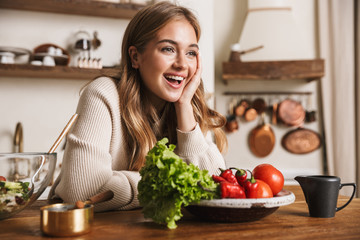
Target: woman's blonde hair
x=140 y=120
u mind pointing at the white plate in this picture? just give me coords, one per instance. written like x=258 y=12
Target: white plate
x=283 y=198
x=15 y=50
x=240 y=210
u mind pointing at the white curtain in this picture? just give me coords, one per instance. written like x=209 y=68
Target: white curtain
x=337 y=31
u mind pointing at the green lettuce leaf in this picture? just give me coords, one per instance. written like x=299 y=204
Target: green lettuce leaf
x=168 y=183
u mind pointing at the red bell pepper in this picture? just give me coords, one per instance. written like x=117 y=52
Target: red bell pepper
x=228 y=176
x=218 y=179
x=240 y=175
x=230 y=190
x=255 y=188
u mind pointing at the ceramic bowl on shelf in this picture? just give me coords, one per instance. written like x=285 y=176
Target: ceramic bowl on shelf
x=59 y=54
x=14 y=55
x=23 y=178
x=240 y=210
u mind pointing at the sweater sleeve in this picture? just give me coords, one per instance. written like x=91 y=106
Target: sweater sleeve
x=194 y=147
x=87 y=164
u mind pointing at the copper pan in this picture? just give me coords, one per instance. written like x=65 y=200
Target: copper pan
x=301 y=141
x=262 y=139
x=241 y=107
x=291 y=112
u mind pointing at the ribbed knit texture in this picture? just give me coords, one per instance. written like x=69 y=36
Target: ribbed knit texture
x=95 y=157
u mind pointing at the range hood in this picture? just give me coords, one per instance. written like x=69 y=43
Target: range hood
x=271 y=24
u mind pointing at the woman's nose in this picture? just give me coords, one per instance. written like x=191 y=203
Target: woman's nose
x=180 y=61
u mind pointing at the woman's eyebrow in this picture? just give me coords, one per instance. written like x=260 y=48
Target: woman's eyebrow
x=175 y=43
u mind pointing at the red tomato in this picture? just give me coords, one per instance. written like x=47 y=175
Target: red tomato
x=2 y=178
x=272 y=176
x=259 y=189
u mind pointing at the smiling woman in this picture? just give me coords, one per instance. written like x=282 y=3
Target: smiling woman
x=158 y=93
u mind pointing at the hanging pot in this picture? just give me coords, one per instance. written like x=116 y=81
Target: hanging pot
x=291 y=112
x=241 y=107
x=232 y=124
x=262 y=139
x=259 y=105
x=301 y=141
x=250 y=114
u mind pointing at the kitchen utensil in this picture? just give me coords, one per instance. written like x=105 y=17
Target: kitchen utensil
x=231 y=121
x=274 y=113
x=301 y=141
x=240 y=210
x=291 y=112
x=102 y=197
x=64 y=132
x=65 y=219
x=310 y=115
x=241 y=107
x=262 y=139
x=321 y=193
x=235 y=54
x=250 y=114
x=231 y=124
x=259 y=105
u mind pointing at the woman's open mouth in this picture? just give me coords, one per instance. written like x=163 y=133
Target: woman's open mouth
x=174 y=81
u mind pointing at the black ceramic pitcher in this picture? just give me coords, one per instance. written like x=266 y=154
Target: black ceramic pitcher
x=321 y=193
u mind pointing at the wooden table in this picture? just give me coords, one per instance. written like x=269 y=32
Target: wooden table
x=288 y=222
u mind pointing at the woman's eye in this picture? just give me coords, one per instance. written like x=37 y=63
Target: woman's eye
x=192 y=53
x=168 y=49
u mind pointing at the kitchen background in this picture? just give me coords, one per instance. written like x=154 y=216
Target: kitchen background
x=44 y=105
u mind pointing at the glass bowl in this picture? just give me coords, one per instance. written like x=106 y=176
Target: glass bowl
x=26 y=177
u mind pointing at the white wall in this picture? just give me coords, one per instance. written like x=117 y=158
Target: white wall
x=230 y=16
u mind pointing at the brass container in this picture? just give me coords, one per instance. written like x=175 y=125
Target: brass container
x=64 y=220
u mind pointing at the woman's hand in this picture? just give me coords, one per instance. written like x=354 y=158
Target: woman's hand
x=192 y=84
x=184 y=111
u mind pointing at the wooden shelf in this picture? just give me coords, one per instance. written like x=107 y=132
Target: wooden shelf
x=64 y=72
x=76 y=7
x=273 y=70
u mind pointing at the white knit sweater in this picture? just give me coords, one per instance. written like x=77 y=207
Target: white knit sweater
x=95 y=158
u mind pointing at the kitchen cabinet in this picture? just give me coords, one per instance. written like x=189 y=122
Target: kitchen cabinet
x=273 y=70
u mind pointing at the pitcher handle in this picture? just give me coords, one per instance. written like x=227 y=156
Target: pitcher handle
x=352 y=196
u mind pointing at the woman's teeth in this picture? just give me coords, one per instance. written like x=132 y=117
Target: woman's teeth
x=178 y=79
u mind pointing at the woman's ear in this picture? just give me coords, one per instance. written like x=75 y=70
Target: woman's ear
x=134 y=54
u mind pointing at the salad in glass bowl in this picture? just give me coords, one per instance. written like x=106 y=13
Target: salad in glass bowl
x=23 y=178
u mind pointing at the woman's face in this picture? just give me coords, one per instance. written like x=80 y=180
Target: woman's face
x=169 y=61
